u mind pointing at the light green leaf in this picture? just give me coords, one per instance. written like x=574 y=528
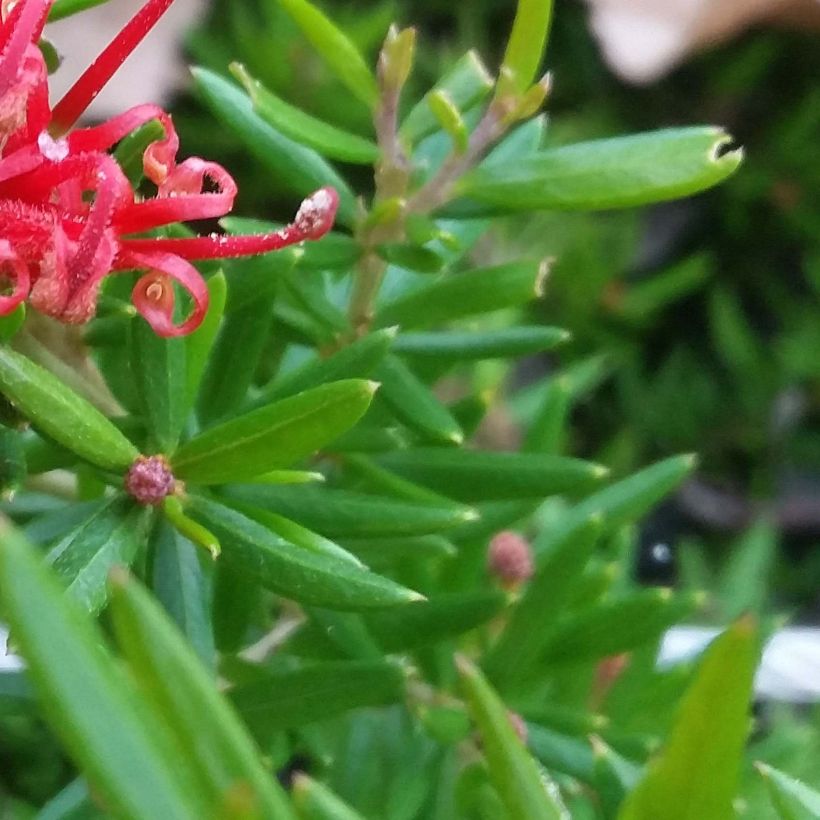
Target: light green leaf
x=706 y=743
x=63 y=415
x=481 y=344
x=273 y=436
x=792 y=799
x=110 y=731
x=528 y=38
x=615 y=173
x=316 y=802
x=173 y=680
x=523 y=789
x=335 y=48
x=328 y=140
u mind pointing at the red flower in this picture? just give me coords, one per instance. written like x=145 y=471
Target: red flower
x=67 y=209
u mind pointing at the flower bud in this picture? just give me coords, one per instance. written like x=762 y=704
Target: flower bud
x=509 y=558
x=150 y=480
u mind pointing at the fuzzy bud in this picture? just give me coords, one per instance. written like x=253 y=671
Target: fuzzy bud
x=150 y=480
x=509 y=558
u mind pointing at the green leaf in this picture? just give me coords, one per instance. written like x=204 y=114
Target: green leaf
x=525 y=48
x=65 y=8
x=335 y=48
x=274 y=436
x=357 y=360
x=111 y=537
x=178 y=687
x=199 y=344
x=59 y=412
x=316 y=692
x=706 y=743
x=473 y=475
x=481 y=344
x=547 y=428
x=426 y=622
x=345 y=514
x=792 y=799
x=183 y=583
x=316 y=802
x=326 y=139
x=301 y=170
x=617 y=625
x=614 y=776
x=250 y=549
x=614 y=173
x=158 y=366
x=746 y=577
x=412 y=403
x=467 y=294
x=466 y=84
x=110 y=732
x=544 y=601
x=625 y=501
x=514 y=773
x=561 y=753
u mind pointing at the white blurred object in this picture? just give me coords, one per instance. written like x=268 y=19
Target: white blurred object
x=789 y=670
x=643 y=39
x=153 y=71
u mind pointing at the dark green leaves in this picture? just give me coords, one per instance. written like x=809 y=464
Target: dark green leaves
x=486 y=344
x=273 y=436
x=255 y=552
x=614 y=173
x=60 y=413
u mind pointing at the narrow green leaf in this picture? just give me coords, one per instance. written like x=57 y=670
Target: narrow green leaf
x=335 y=48
x=615 y=173
x=625 y=501
x=525 y=48
x=199 y=344
x=426 y=622
x=159 y=366
x=533 y=618
x=617 y=625
x=467 y=294
x=481 y=344
x=274 y=436
x=183 y=583
x=707 y=739
x=326 y=139
x=473 y=475
x=357 y=360
x=385 y=550
x=73 y=802
x=561 y=753
x=253 y=550
x=172 y=679
x=546 y=431
x=514 y=773
x=413 y=404
x=111 y=537
x=345 y=514
x=63 y=415
x=746 y=576
x=792 y=799
x=110 y=732
x=466 y=84
x=65 y=8
x=614 y=776
x=316 y=692
x=316 y=802
x=301 y=170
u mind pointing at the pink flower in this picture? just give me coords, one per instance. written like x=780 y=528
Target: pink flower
x=67 y=209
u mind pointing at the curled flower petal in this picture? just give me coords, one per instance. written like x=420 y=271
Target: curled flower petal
x=15 y=269
x=313 y=220
x=153 y=295
x=182 y=197
x=21 y=30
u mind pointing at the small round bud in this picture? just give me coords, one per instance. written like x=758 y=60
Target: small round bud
x=150 y=480
x=510 y=558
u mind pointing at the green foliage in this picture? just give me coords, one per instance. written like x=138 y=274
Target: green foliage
x=322 y=590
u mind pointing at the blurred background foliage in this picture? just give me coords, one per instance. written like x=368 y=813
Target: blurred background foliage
x=707 y=308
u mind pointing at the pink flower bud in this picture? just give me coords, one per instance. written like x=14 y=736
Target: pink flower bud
x=150 y=480
x=509 y=558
